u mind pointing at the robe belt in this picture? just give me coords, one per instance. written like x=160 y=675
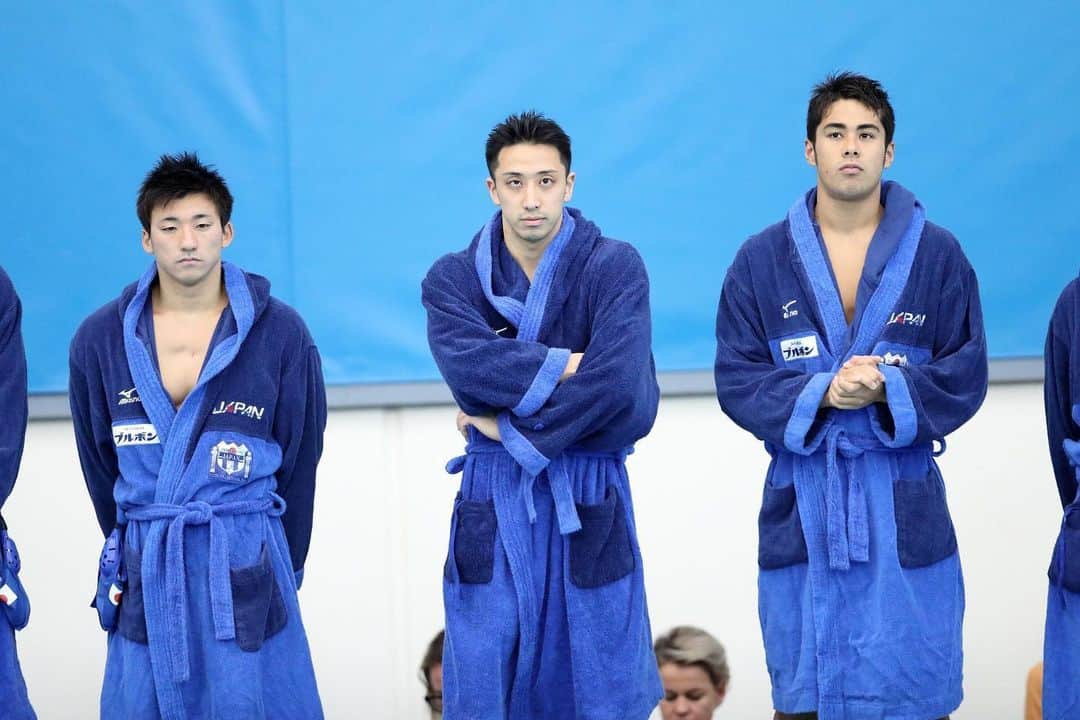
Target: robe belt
x=562 y=489
x=195 y=512
x=848 y=531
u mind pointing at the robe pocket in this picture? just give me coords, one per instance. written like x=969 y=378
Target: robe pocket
x=600 y=552
x=258 y=608
x=1065 y=571
x=924 y=530
x=473 y=541
x=780 y=535
x=131 y=617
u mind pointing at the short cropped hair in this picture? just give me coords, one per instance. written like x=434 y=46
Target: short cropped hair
x=528 y=127
x=177 y=176
x=849 y=86
x=690 y=646
x=432 y=659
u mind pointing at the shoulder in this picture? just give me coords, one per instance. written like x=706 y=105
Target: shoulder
x=768 y=248
x=940 y=247
x=101 y=331
x=7 y=291
x=281 y=324
x=610 y=257
x=451 y=267
x=1066 y=309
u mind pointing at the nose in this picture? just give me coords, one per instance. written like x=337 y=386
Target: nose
x=187 y=238
x=682 y=707
x=851 y=147
x=532 y=197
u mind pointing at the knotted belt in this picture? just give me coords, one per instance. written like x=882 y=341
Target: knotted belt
x=847 y=529
x=562 y=489
x=168 y=591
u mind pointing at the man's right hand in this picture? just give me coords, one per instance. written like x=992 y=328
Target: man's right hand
x=854 y=387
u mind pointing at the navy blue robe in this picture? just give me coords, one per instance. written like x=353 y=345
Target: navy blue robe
x=1061 y=648
x=543 y=587
x=15 y=610
x=213 y=502
x=860 y=592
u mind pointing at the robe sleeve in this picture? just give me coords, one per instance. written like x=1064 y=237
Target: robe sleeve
x=1058 y=394
x=928 y=401
x=93 y=438
x=485 y=372
x=613 y=397
x=778 y=405
x=13 y=407
x=299 y=423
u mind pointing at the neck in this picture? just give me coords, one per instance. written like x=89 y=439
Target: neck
x=848 y=216
x=527 y=254
x=168 y=295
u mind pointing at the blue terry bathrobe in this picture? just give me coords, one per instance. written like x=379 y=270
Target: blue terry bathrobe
x=1061 y=649
x=213 y=502
x=543 y=584
x=860 y=592
x=15 y=608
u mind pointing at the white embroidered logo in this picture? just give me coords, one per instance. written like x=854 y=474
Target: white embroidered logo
x=135 y=434
x=239 y=408
x=788 y=312
x=500 y=331
x=799 y=348
x=906 y=318
x=230 y=458
x=128 y=397
x=895 y=359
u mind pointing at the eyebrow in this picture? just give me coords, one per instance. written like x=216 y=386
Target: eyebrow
x=173 y=218
x=864 y=126
x=513 y=173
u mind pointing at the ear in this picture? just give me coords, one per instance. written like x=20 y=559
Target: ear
x=890 y=149
x=492 y=192
x=147 y=244
x=227 y=235
x=569 y=192
x=808 y=152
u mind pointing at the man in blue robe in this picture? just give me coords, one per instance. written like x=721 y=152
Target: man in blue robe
x=1061 y=649
x=14 y=603
x=850 y=340
x=541 y=329
x=199 y=412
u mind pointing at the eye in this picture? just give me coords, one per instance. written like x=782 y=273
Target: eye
x=204 y=226
x=868 y=136
x=833 y=134
x=670 y=696
x=694 y=695
x=547 y=181
x=167 y=229
x=514 y=183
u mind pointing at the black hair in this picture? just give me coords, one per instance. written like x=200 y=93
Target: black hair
x=528 y=127
x=849 y=86
x=177 y=176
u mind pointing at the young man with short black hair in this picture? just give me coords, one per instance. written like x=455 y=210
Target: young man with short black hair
x=850 y=340
x=541 y=329
x=199 y=412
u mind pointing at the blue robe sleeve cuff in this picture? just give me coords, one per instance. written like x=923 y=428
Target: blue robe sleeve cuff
x=798 y=434
x=547 y=377
x=902 y=409
x=523 y=451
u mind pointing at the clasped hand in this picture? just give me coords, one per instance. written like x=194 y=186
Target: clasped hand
x=856 y=385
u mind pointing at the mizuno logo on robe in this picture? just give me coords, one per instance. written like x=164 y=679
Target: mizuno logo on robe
x=230 y=459
x=128 y=397
x=135 y=434
x=239 y=408
x=906 y=318
x=789 y=312
x=799 y=348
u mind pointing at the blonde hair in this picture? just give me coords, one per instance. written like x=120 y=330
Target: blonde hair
x=687 y=645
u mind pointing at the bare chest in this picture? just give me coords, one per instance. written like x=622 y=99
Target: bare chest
x=847 y=256
x=182 y=342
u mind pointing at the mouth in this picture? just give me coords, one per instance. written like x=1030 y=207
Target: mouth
x=850 y=169
x=532 y=221
x=188 y=261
